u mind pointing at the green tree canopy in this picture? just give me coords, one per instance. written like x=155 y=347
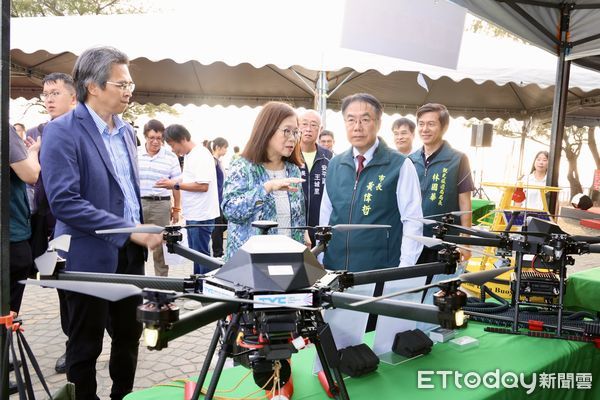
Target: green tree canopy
x=44 y=8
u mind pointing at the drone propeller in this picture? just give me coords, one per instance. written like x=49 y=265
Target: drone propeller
x=46 y=263
x=152 y=228
x=352 y=227
x=110 y=292
x=461 y=229
x=432 y=242
x=424 y=221
x=341 y=227
x=133 y=229
x=63 y=242
x=455 y=213
x=476 y=278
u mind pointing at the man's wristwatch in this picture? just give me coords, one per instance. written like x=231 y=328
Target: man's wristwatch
x=176 y=186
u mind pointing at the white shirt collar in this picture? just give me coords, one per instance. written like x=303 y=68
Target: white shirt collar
x=368 y=155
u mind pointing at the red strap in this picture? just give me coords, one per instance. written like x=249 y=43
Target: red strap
x=324 y=384
x=535 y=325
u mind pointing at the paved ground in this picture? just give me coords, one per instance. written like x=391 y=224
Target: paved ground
x=184 y=356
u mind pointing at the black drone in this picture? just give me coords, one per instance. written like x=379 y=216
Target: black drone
x=267 y=298
x=550 y=249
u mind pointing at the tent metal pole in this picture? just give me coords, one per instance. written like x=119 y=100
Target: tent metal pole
x=559 y=108
x=526 y=125
x=310 y=88
x=4 y=181
x=321 y=96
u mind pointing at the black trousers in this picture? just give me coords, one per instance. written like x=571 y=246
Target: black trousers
x=88 y=317
x=21 y=265
x=217 y=236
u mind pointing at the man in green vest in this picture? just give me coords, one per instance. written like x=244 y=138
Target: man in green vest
x=446 y=181
x=370 y=183
x=444 y=173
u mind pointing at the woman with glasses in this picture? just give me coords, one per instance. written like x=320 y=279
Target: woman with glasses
x=264 y=183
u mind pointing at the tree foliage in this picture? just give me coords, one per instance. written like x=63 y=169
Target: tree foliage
x=136 y=110
x=486 y=28
x=45 y=8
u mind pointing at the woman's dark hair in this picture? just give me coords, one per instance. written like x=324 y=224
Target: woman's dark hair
x=218 y=142
x=266 y=124
x=544 y=152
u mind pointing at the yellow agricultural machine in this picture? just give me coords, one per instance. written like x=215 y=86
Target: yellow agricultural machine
x=511 y=194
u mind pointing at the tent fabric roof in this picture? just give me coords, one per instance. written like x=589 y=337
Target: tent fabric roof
x=232 y=65
x=584 y=29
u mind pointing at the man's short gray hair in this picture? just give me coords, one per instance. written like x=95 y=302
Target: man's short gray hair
x=94 y=66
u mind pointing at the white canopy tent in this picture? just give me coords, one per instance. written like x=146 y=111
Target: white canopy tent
x=182 y=61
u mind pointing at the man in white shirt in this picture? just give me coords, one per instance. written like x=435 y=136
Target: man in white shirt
x=198 y=185
x=156 y=162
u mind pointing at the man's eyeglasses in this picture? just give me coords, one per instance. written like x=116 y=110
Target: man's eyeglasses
x=290 y=133
x=124 y=86
x=47 y=96
x=155 y=139
x=351 y=121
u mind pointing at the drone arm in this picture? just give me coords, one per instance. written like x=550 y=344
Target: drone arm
x=395 y=273
x=473 y=241
x=473 y=232
x=196 y=319
x=196 y=256
x=588 y=239
x=594 y=248
x=390 y=308
x=141 y=281
x=318 y=249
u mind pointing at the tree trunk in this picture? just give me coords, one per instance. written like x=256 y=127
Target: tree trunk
x=572 y=153
x=594 y=194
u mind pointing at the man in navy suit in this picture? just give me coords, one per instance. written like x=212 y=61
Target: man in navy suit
x=91 y=181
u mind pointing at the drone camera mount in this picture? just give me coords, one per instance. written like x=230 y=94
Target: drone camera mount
x=450 y=256
x=172 y=235
x=323 y=234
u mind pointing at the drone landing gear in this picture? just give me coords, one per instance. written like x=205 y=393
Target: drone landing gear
x=226 y=333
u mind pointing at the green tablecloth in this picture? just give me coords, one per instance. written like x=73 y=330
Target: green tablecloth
x=508 y=353
x=583 y=290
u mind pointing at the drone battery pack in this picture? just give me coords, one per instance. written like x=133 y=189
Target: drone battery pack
x=412 y=343
x=441 y=335
x=357 y=360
